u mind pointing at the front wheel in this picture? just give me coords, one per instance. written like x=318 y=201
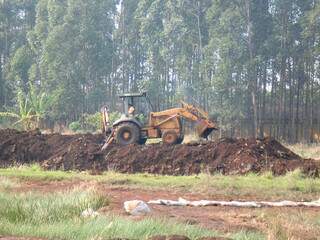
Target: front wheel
x=127 y=133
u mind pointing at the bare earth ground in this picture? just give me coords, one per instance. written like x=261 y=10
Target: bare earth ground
x=223 y=219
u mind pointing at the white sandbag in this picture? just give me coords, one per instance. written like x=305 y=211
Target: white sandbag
x=136 y=207
x=249 y=204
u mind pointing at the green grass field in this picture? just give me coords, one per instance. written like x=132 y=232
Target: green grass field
x=293 y=186
x=58 y=215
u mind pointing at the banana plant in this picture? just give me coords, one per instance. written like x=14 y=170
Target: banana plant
x=39 y=103
x=24 y=114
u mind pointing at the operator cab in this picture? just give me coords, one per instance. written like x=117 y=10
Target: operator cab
x=136 y=105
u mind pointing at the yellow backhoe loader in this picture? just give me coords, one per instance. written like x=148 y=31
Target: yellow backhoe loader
x=133 y=128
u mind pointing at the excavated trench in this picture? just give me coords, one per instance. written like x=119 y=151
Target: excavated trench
x=82 y=152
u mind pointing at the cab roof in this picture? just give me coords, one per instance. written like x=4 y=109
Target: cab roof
x=125 y=95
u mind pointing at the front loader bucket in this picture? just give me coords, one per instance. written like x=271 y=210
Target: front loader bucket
x=205 y=128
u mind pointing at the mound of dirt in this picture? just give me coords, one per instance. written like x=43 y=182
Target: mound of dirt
x=22 y=147
x=33 y=147
x=82 y=152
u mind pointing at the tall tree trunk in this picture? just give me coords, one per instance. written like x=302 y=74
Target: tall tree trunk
x=273 y=100
x=1 y=83
x=263 y=108
x=311 y=119
x=125 y=73
x=252 y=71
x=283 y=67
x=298 y=123
x=291 y=104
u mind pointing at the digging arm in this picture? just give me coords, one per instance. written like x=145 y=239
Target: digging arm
x=182 y=112
x=204 y=125
x=188 y=112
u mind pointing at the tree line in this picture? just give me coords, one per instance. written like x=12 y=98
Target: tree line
x=253 y=64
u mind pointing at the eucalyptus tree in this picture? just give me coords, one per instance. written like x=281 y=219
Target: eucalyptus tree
x=73 y=43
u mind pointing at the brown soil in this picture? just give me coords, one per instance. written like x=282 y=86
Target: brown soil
x=82 y=152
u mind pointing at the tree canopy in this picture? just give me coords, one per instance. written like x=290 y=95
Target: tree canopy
x=253 y=64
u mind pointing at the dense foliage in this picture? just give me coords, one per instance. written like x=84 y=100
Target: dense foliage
x=254 y=64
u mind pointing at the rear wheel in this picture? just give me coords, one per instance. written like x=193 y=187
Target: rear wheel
x=170 y=137
x=127 y=133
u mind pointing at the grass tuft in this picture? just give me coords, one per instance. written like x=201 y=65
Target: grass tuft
x=37 y=209
x=58 y=216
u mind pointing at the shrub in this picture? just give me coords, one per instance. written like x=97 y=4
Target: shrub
x=114 y=116
x=75 y=126
x=92 y=121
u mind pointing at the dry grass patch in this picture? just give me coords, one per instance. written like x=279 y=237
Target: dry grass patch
x=295 y=225
x=306 y=150
x=7 y=183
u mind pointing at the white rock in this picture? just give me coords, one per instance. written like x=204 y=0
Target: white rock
x=89 y=213
x=137 y=208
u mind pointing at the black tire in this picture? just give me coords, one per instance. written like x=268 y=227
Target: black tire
x=127 y=133
x=170 y=137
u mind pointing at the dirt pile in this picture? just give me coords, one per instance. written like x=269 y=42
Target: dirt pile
x=33 y=147
x=82 y=152
x=227 y=156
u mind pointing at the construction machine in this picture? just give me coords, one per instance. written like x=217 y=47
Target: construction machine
x=133 y=128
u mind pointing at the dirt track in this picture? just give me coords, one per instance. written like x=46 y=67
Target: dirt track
x=82 y=152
